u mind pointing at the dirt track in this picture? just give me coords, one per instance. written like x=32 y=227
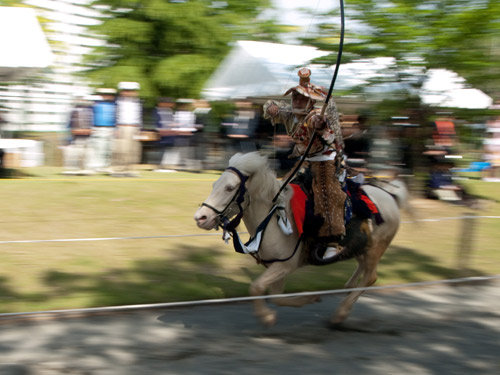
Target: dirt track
x=433 y=330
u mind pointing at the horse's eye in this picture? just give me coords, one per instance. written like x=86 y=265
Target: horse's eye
x=230 y=188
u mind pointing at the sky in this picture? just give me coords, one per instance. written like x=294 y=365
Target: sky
x=289 y=12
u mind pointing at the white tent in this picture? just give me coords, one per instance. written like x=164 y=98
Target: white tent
x=23 y=46
x=259 y=69
x=447 y=89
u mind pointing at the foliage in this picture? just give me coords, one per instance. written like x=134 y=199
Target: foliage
x=9 y=3
x=459 y=35
x=171 y=47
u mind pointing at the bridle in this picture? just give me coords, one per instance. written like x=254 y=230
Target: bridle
x=223 y=220
x=229 y=226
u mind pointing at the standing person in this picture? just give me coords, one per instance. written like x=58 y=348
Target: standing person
x=80 y=125
x=163 y=116
x=241 y=129
x=102 y=134
x=127 y=150
x=322 y=163
x=357 y=143
x=201 y=141
x=185 y=126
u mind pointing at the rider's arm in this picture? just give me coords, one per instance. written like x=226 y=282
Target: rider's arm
x=278 y=112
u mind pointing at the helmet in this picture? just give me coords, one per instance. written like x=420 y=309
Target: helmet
x=306 y=88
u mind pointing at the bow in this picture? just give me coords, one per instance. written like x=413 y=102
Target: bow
x=328 y=96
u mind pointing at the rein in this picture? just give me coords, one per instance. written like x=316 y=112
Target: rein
x=252 y=246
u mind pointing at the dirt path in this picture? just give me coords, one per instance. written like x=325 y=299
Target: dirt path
x=432 y=330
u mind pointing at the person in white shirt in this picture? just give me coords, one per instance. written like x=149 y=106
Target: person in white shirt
x=127 y=150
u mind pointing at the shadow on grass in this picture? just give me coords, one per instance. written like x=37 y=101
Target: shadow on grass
x=403 y=264
x=198 y=274
x=195 y=275
x=6 y=293
x=411 y=266
x=13 y=173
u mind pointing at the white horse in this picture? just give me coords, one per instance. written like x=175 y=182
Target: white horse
x=246 y=189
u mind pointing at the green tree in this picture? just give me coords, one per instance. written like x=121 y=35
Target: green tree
x=171 y=46
x=460 y=35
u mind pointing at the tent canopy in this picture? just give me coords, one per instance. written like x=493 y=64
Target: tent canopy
x=259 y=69
x=24 y=48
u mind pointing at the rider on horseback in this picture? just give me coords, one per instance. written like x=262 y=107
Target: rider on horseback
x=323 y=163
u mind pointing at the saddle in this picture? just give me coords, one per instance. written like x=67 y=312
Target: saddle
x=358 y=208
x=362 y=205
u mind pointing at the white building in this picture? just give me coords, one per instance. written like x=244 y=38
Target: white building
x=39 y=98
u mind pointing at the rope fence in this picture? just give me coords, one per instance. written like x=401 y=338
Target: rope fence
x=464 y=217
x=168 y=305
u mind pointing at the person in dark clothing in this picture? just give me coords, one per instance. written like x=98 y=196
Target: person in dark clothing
x=76 y=153
x=441 y=185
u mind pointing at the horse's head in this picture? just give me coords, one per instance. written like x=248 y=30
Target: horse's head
x=225 y=200
x=248 y=178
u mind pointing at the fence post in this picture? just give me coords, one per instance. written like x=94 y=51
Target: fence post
x=466 y=241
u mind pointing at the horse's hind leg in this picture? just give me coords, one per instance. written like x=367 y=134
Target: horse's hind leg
x=353 y=281
x=299 y=301
x=360 y=269
x=368 y=268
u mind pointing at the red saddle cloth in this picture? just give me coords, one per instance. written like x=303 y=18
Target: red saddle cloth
x=363 y=206
x=298 y=205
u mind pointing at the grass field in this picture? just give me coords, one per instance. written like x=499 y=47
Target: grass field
x=44 y=205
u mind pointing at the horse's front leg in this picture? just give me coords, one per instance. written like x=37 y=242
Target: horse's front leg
x=273 y=274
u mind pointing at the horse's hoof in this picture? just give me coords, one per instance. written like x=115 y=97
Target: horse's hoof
x=337 y=321
x=268 y=320
x=335 y=326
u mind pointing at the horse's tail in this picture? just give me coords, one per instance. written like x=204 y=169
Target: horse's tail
x=400 y=193
x=399 y=190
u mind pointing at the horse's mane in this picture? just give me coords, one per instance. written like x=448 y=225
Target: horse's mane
x=253 y=164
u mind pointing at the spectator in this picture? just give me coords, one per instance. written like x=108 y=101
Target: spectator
x=127 y=147
x=492 y=150
x=384 y=151
x=80 y=125
x=356 y=143
x=163 y=117
x=441 y=185
x=202 y=112
x=102 y=134
x=241 y=128
x=184 y=127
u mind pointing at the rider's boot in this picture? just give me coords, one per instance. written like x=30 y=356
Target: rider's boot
x=332 y=249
